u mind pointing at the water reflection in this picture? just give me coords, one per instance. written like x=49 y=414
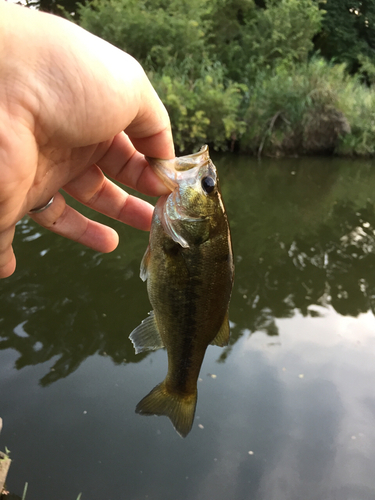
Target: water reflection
x=309 y=239
x=303 y=235
x=333 y=264
x=64 y=303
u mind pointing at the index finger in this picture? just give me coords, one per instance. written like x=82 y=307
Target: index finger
x=123 y=162
x=150 y=130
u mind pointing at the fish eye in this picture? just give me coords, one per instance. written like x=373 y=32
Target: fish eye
x=208 y=184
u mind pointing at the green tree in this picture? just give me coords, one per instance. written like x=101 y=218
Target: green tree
x=348 y=32
x=62 y=8
x=247 y=38
x=158 y=33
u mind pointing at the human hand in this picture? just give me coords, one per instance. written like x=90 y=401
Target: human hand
x=66 y=98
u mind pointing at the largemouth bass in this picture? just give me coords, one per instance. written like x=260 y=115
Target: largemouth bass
x=189 y=269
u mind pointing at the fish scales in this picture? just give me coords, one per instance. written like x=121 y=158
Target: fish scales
x=189 y=270
x=186 y=293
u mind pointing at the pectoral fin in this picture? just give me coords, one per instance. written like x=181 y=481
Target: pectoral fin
x=222 y=337
x=146 y=336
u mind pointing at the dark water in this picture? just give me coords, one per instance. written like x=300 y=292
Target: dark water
x=286 y=412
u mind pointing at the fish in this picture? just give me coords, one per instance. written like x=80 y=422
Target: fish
x=189 y=269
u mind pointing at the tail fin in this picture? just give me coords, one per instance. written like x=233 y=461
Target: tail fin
x=179 y=408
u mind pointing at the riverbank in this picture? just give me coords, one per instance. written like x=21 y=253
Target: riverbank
x=307 y=109
x=248 y=76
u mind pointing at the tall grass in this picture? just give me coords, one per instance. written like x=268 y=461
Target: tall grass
x=311 y=108
x=359 y=108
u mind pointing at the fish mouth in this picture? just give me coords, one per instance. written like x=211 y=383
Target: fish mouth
x=173 y=171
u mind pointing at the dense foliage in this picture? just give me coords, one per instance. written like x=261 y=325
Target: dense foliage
x=247 y=38
x=348 y=32
x=269 y=76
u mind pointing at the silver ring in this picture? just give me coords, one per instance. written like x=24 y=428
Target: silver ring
x=37 y=210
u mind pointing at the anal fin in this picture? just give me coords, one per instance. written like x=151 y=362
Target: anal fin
x=146 y=336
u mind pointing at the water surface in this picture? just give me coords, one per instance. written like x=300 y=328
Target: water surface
x=285 y=412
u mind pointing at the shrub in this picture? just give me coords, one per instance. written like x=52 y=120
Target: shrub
x=203 y=110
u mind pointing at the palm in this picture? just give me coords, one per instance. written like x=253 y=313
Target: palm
x=64 y=128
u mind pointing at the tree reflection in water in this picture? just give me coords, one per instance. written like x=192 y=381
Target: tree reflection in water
x=335 y=266
x=303 y=235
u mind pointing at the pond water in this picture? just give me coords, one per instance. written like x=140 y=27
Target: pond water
x=285 y=412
